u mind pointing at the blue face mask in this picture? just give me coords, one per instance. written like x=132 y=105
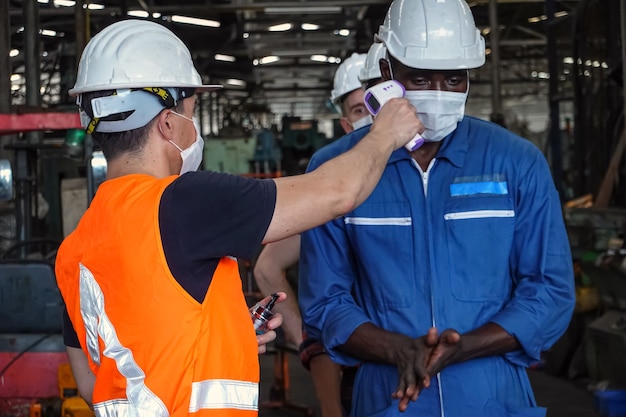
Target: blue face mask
x=192 y=156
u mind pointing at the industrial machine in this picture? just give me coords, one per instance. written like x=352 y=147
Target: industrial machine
x=300 y=139
x=597 y=240
x=35 y=378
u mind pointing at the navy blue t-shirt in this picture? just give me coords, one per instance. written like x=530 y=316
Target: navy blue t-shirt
x=203 y=217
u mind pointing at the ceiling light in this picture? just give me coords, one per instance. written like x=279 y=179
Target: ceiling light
x=195 y=21
x=280 y=27
x=64 y=3
x=93 y=6
x=309 y=26
x=303 y=9
x=47 y=32
x=138 y=13
x=269 y=59
x=342 y=32
x=227 y=58
x=16 y=77
x=568 y=60
x=234 y=81
x=246 y=35
x=14 y=52
x=319 y=58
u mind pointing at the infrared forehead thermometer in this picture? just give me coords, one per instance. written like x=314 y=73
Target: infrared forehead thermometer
x=376 y=97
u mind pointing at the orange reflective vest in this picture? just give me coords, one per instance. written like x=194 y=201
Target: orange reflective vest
x=155 y=350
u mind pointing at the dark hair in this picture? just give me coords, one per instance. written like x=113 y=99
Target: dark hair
x=114 y=144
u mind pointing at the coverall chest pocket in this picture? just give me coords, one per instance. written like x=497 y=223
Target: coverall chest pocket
x=381 y=237
x=479 y=231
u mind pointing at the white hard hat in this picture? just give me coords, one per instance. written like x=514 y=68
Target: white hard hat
x=347 y=77
x=432 y=34
x=371 y=68
x=142 y=66
x=136 y=54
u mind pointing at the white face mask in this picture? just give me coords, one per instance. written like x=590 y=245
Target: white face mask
x=439 y=111
x=364 y=121
x=192 y=156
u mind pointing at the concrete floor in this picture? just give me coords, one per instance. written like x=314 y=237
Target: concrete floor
x=562 y=397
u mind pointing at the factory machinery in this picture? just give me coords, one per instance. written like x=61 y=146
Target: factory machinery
x=35 y=377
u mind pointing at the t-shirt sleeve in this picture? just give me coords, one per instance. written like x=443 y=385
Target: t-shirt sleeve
x=210 y=215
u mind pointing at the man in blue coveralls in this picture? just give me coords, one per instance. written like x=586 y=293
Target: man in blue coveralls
x=456 y=273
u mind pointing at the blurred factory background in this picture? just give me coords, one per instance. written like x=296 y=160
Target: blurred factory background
x=554 y=75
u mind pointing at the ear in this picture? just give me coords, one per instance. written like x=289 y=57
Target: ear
x=164 y=125
x=384 y=69
x=346 y=125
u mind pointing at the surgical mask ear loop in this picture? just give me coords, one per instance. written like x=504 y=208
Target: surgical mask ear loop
x=184 y=117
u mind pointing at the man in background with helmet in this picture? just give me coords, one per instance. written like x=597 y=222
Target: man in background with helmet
x=456 y=273
x=333 y=389
x=157 y=324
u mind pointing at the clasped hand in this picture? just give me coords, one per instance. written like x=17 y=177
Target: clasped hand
x=420 y=359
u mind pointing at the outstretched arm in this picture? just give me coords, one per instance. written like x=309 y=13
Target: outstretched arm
x=339 y=185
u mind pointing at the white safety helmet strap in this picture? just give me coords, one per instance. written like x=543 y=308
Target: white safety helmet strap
x=432 y=34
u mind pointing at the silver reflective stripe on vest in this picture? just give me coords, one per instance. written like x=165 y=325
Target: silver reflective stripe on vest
x=141 y=401
x=479 y=214
x=224 y=393
x=379 y=221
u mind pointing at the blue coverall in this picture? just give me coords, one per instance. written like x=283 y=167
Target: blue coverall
x=486 y=244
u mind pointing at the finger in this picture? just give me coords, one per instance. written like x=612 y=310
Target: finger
x=275 y=322
x=265 y=338
x=451 y=337
x=432 y=337
x=282 y=296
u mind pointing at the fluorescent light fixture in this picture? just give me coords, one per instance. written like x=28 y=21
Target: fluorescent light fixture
x=604 y=65
x=280 y=27
x=342 y=32
x=48 y=32
x=536 y=19
x=334 y=59
x=303 y=9
x=319 y=58
x=14 y=52
x=222 y=57
x=16 y=77
x=266 y=60
x=138 y=13
x=195 y=21
x=234 y=81
x=42 y=1
x=568 y=60
x=93 y=6
x=64 y=3
x=309 y=26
